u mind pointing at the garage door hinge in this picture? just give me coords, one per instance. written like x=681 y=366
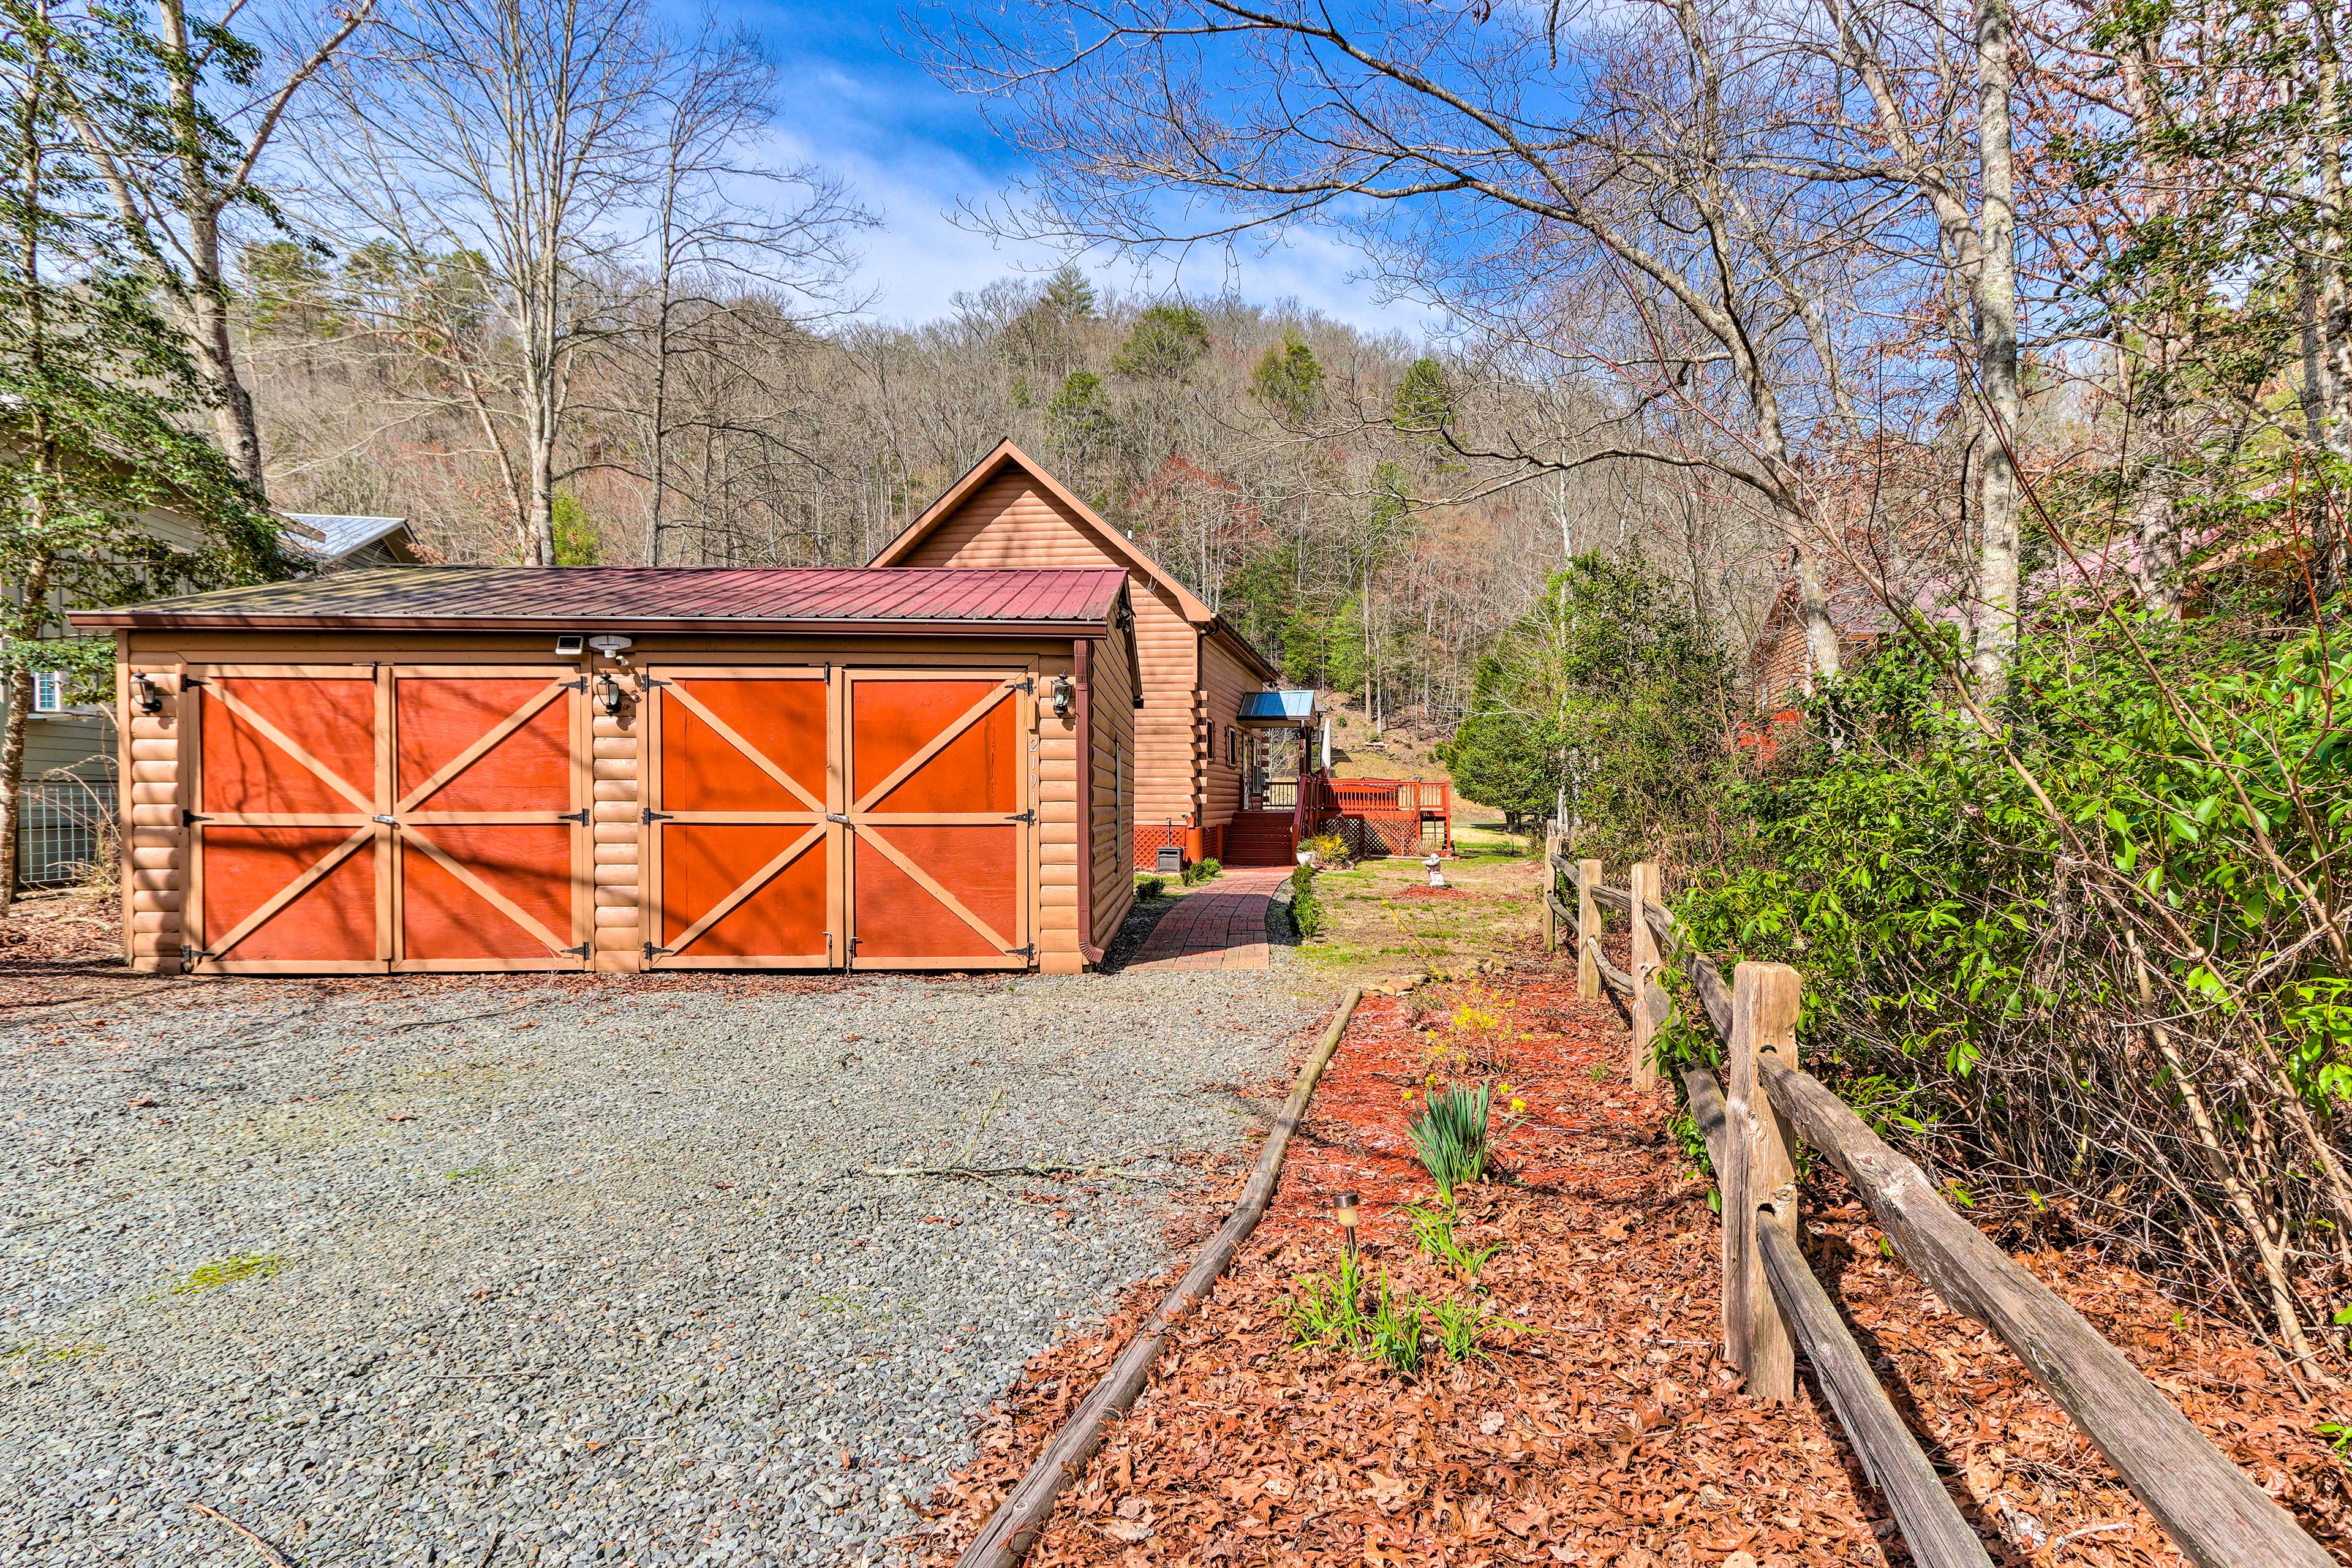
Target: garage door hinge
x=649 y=816
x=189 y=818
x=192 y=954
x=652 y=952
x=585 y=949
x=1026 y=683
x=580 y=816
x=1029 y=952
x=187 y=680
x=1029 y=816
x=579 y=685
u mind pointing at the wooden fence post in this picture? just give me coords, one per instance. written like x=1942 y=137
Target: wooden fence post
x=1643 y=881
x=1550 y=889
x=1761 y=1186
x=1588 y=931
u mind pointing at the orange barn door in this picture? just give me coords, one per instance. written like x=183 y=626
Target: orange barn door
x=288 y=866
x=490 y=816
x=937 y=769
x=743 y=858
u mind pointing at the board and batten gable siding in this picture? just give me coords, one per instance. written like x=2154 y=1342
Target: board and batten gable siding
x=1113 y=713
x=1012 y=521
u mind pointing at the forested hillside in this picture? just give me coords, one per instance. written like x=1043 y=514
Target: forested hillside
x=1252 y=450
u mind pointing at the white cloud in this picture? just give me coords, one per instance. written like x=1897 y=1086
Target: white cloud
x=922 y=254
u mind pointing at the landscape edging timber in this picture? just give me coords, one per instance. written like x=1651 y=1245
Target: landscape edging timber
x=1013 y=1528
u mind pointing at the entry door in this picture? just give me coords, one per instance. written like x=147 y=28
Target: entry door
x=488 y=814
x=744 y=844
x=288 y=870
x=937 y=770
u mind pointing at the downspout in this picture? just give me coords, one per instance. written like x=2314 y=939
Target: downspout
x=1082 y=666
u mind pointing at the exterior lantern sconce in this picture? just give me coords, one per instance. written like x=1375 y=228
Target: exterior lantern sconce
x=608 y=694
x=1343 y=1209
x=148 y=695
x=1066 y=697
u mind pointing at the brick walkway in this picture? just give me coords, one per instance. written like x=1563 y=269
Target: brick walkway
x=1220 y=926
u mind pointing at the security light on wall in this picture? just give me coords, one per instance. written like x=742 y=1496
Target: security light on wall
x=611 y=646
x=570 y=647
x=609 y=695
x=146 y=693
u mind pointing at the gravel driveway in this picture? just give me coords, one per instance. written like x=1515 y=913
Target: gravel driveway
x=389 y=1271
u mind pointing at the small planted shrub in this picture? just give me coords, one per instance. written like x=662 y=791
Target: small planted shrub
x=1328 y=1311
x=1461 y=1325
x=1432 y=1231
x=1201 y=870
x=1449 y=1135
x=1395 y=1329
x=1306 y=907
x=1151 y=887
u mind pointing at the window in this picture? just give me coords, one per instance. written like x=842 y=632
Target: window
x=1232 y=747
x=48 y=691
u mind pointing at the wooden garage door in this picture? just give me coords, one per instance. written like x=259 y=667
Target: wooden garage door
x=937 y=770
x=743 y=859
x=287 y=865
x=490 y=811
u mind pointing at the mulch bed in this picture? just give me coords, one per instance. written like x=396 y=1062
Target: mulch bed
x=1608 y=1433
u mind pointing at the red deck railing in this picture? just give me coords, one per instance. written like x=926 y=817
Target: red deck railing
x=1377 y=816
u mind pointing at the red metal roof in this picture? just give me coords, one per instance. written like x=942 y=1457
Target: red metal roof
x=584 y=598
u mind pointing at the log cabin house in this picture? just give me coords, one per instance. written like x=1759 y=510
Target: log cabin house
x=1196 y=752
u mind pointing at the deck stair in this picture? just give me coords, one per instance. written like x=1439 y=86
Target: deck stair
x=1260 y=838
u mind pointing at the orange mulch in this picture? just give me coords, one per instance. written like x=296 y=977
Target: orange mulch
x=1604 y=1430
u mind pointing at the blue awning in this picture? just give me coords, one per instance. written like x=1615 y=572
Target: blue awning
x=1276 y=710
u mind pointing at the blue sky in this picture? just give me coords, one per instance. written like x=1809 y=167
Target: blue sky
x=852 y=103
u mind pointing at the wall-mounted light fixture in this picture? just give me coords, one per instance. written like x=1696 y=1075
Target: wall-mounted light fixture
x=146 y=693
x=1066 y=697
x=569 y=646
x=610 y=646
x=609 y=695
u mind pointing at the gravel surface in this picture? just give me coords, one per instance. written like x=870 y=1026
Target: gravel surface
x=594 y=1277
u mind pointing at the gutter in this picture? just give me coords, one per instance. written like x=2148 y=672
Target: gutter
x=93 y=620
x=1082 y=663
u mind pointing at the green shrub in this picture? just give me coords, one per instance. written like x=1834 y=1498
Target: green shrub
x=1151 y=887
x=1449 y=1133
x=1461 y=1325
x=1306 y=908
x=1394 y=1330
x=1200 y=872
x=1328 y=1311
x=1433 y=1229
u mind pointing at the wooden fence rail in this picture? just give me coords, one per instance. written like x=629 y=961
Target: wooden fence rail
x=1772 y=1304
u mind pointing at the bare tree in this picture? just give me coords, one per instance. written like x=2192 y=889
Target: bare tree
x=516 y=135
x=722 y=227
x=176 y=122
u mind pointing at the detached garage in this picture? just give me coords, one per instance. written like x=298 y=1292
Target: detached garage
x=463 y=768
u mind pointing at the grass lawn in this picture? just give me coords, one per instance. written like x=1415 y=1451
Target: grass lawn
x=1384 y=921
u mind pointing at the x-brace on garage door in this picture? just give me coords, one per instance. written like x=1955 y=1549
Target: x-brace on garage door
x=379 y=817
x=809 y=816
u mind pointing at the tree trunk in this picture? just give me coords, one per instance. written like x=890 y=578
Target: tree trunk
x=1994 y=297
x=1821 y=651
x=25 y=624
x=236 y=426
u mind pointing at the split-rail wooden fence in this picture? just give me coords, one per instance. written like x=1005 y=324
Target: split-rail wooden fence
x=1772 y=1305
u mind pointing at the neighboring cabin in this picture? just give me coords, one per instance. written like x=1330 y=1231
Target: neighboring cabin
x=1190 y=750
x=70 y=747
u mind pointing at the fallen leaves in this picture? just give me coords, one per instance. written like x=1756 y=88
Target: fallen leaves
x=1608 y=1435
